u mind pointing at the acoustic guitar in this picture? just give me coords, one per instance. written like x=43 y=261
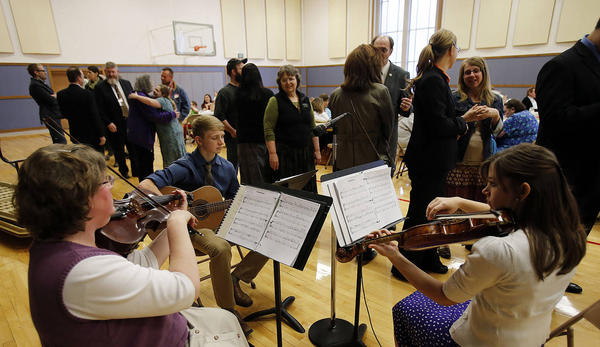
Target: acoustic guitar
x=207 y=205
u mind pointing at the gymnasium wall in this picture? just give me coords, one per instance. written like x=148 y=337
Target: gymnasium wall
x=136 y=35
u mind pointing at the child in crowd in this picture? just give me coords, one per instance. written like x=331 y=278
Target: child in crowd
x=514 y=281
x=81 y=295
x=194 y=108
x=319 y=111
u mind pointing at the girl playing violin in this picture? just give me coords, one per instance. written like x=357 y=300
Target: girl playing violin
x=514 y=281
x=83 y=295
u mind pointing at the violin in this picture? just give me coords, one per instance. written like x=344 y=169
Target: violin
x=445 y=229
x=134 y=217
x=134 y=214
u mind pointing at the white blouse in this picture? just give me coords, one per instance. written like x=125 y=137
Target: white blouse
x=510 y=306
x=113 y=287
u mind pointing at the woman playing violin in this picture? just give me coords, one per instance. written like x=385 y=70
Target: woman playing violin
x=83 y=295
x=514 y=281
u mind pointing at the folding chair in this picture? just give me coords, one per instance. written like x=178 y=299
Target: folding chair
x=592 y=314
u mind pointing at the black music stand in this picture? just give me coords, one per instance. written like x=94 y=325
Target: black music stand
x=296 y=182
x=334 y=331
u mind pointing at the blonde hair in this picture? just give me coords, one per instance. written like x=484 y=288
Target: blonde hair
x=485 y=88
x=439 y=43
x=203 y=124
x=318 y=105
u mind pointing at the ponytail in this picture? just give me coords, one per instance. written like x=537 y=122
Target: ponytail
x=439 y=43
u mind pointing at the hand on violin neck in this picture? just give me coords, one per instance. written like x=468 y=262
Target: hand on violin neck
x=388 y=249
x=180 y=203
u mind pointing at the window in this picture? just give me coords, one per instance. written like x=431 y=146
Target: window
x=410 y=23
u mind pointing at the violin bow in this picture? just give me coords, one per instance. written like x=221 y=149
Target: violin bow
x=52 y=123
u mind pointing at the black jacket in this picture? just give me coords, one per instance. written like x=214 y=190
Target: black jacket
x=42 y=94
x=432 y=145
x=568 y=98
x=108 y=106
x=79 y=107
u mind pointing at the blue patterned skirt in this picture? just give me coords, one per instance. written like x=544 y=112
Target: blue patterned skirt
x=419 y=321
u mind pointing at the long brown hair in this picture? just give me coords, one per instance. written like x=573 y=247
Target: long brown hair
x=439 y=43
x=485 y=88
x=362 y=68
x=549 y=214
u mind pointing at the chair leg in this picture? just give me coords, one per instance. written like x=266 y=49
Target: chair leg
x=570 y=337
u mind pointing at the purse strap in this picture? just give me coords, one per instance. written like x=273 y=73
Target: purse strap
x=367 y=134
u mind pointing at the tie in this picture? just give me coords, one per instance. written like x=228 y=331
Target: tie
x=122 y=102
x=208 y=177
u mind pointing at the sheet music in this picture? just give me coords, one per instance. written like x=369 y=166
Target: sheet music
x=385 y=201
x=248 y=224
x=363 y=201
x=357 y=205
x=287 y=229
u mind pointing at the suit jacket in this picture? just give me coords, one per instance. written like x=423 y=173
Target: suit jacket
x=432 y=145
x=79 y=107
x=395 y=81
x=374 y=107
x=568 y=98
x=527 y=103
x=42 y=94
x=108 y=105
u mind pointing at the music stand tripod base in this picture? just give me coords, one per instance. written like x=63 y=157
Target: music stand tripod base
x=287 y=317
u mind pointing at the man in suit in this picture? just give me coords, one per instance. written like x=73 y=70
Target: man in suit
x=529 y=101
x=45 y=97
x=79 y=107
x=568 y=97
x=394 y=78
x=111 y=97
x=178 y=95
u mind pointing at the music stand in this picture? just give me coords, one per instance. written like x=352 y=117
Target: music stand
x=296 y=182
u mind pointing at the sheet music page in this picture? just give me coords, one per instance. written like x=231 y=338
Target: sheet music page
x=383 y=193
x=339 y=225
x=288 y=228
x=357 y=206
x=254 y=209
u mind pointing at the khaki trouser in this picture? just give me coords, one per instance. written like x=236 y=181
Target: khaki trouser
x=219 y=251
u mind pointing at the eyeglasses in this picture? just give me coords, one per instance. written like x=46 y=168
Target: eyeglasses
x=474 y=71
x=110 y=181
x=40 y=70
x=456 y=46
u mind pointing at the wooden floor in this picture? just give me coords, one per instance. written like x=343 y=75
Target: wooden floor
x=310 y=287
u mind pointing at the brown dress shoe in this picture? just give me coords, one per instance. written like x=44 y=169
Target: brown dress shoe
x=245 y=327
x=241 y=298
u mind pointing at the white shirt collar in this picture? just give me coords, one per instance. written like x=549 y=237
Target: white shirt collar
x=385 y=70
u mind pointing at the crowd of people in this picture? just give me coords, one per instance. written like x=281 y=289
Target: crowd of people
x=469 y=150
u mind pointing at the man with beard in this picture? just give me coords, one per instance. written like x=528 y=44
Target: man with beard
x=111 y=97
x=178 y=95
x=225 y=107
